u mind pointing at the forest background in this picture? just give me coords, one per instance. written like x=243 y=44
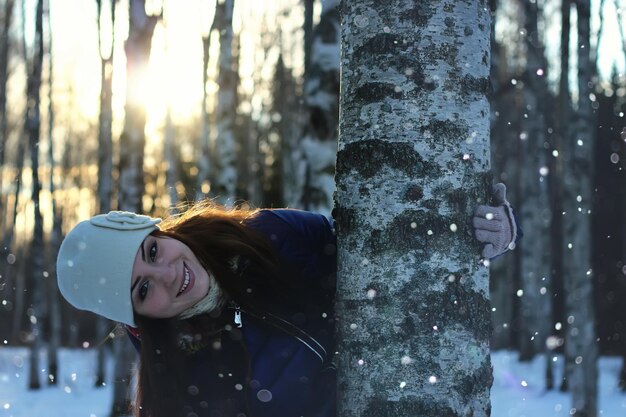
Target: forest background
x=139 y=105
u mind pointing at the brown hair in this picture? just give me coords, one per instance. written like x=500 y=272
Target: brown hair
x=217 y=236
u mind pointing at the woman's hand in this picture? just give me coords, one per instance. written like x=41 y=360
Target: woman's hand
x=495 y=224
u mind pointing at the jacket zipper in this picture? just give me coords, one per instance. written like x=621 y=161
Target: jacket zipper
x=312 y=344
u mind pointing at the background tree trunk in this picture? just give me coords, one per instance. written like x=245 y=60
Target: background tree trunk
x=577 y=181
x=557 y=192
x=4 y=74
x=36 y=255
x=105 y=160
x=52 y=290
x=131 y=186
x=413 y=162
x=226 y=146
x=534 y=206
x=321 y=97
x=132 y=140
x=204 y=158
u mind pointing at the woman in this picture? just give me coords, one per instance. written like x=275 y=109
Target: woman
x=232 y=310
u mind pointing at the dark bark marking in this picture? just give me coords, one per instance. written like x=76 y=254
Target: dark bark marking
x=374 y=92
x=469 y=386
x=413 y=193
x=471 y=85
x=407 y=232
x=368 y=157
x=345 y=219
x=457 y=304
x=408 y=407
x=418 y=15
x=447 y=131
x=383 y=43
x=387 y=50
x=444 y=52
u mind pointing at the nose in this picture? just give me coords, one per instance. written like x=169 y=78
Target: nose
x=163 y=273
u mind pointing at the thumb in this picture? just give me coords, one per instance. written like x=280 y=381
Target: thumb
x=489 y=251
x=499 y=194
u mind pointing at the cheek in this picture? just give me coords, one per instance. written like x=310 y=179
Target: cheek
x=158 y=305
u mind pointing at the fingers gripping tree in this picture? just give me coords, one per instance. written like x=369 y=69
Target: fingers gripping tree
x=413 y=162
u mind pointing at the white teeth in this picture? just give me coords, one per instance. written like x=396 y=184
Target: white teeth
x=185 y=281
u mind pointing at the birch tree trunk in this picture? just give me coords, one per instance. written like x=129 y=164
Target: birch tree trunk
x=52 y=290
x=7 y=260
x=413 y=162
x=321 y=96
x=578 y=152
x=4 y=74
x=286 y=103
x=105 y=158
x=225 y=146
x=558 y=187
x=534 y=207
x=132 y=140
x=131 y=185
x=204 y=159
x=307 y=28
x=32 y=125
x=9 y=236
x=171 y=174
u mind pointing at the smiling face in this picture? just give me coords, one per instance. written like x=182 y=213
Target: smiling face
x=167 y=278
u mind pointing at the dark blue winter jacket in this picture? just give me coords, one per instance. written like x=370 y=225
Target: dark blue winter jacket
x=279 y=362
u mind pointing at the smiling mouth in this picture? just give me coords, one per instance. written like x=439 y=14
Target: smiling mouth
x=186 y=280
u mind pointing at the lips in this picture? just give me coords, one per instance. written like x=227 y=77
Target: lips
x=187 y=282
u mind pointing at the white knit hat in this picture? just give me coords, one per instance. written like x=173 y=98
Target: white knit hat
x=95 y=263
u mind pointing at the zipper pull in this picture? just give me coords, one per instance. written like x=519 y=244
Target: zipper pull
x=238 y=322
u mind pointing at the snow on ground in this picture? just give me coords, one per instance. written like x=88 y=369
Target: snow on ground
x=518 y=388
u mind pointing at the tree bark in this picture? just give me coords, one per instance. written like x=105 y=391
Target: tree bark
x=286 y=103
x=557 y=188
x=536 y=303
x=203 y=180
x=413 y=162
x=321 y=96
x=105 y=159
x=578 y=170
x=225 y=146
x=307 y=28
x=132 y=140
x=32 y=125
x=4 y=73
x=8 y=258
x=52 y=290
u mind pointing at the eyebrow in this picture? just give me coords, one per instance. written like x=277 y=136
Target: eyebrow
x=143 y=257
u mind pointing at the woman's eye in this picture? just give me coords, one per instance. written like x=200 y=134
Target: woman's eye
x=143 y=290
x=153 y=251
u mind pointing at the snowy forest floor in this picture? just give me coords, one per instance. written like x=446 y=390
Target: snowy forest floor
x=518 y=388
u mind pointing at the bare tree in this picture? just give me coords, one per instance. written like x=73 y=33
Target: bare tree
x=131 y=184
x=225 y=146
x=7 y=19
x=580 y=343
x=413 y=161
x=534 y=207
x=132 y=140
x=105 y=156
x=318 y=147
x=204 y=158
x=32 y=126
x=52 y=290
x=4 y=73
